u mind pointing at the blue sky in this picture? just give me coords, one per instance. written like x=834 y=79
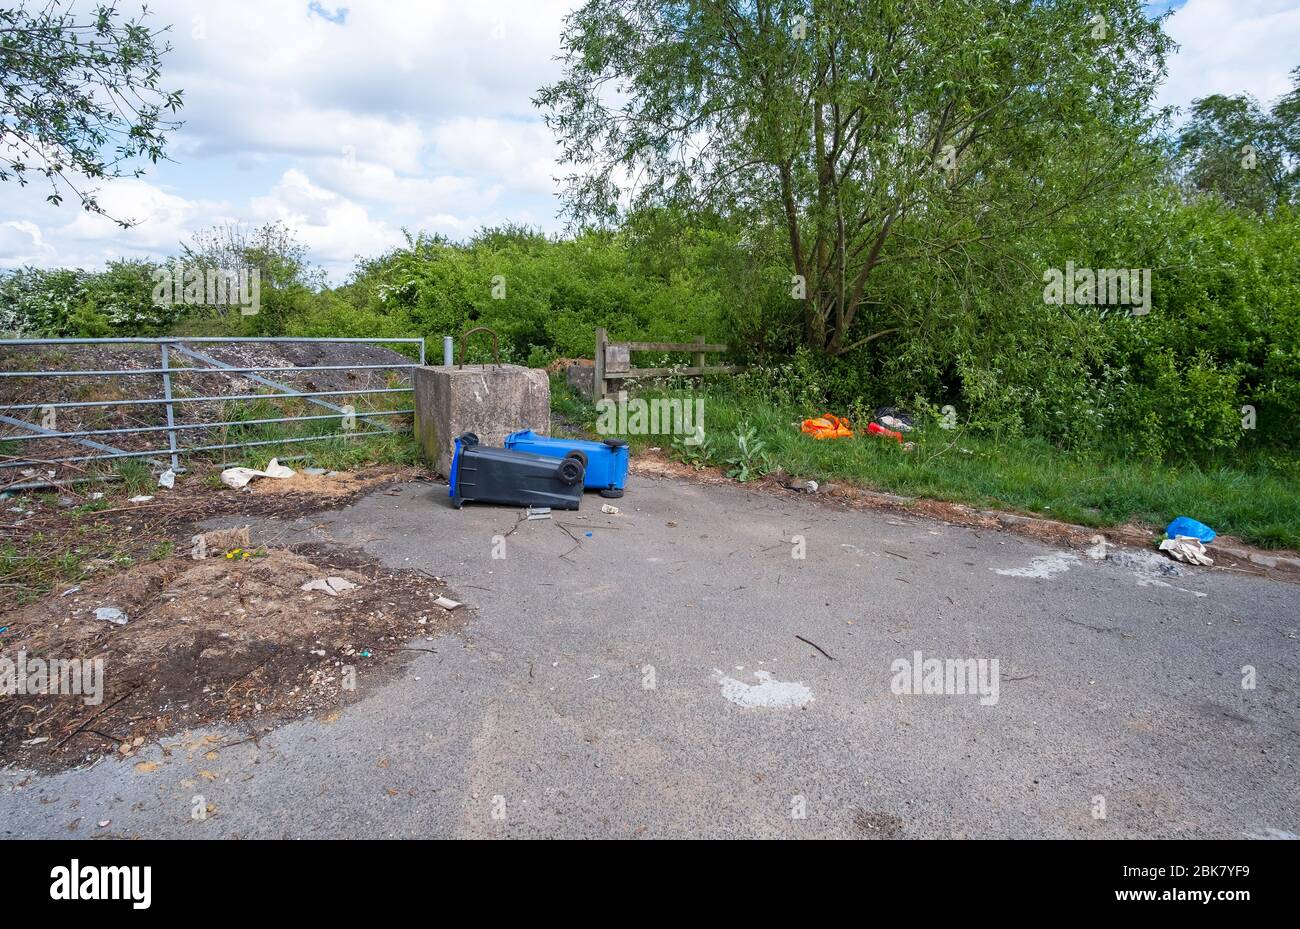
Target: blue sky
x=350 y=120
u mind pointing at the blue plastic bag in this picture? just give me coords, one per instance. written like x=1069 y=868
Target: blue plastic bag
x=1185 y=525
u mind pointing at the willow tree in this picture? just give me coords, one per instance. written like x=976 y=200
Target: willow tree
x=869 y=132
x=81 y=96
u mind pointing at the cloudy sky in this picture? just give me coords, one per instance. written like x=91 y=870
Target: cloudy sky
x=350 y=120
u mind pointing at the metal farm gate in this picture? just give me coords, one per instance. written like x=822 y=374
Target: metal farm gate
x=176 y=394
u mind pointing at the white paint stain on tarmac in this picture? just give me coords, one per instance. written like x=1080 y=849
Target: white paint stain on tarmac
x=1270 y=833
x=769 y=693
x=1044 y=566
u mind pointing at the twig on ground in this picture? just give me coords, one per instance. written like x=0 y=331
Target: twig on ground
x=816 y=646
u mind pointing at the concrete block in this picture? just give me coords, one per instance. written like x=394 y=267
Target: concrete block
x=491 y=401
x=581 y=378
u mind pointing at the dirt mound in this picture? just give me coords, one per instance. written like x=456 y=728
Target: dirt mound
x=220 y=640
x=332 y=484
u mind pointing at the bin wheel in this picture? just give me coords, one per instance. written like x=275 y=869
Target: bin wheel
x=468 y=438
x=570 y=471
x=578 y=456
x=611 y=493
x=616 y=443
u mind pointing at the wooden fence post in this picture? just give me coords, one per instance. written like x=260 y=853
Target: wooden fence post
x=598 y=376
x=699 y=354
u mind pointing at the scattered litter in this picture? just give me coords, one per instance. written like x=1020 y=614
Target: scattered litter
x=589 y=535
x=1185 y=525
x=238 y=478
x=1097 y=550
x=447 y=603
x=1186 y=548
x=827 y=426
x=364 y=653
x=105 y=823
x=111 y=614
x=877 y=429
x=142 y=498
x=3 y=629
x=70 y=590
x=314 y=472
x=37 y=741
x=1148 y=568
x=97 y=495
x=219 y=542
x=537 y=512
x=167 y=479
x=330 y=585
x=609 y=509
x=894 y=418
x=768 y=693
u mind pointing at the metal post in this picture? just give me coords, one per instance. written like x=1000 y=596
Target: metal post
x=171 y=416
x=448 y=358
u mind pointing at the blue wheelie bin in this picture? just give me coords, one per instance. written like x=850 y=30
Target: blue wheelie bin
x=606 y=462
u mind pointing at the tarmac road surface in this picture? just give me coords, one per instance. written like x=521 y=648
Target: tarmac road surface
x=649 y=680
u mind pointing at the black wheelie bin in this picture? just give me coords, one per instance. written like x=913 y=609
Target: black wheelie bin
x=498 y=475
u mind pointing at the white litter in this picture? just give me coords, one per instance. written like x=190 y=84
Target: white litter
x=538 y=512
x=330 y=585
x=1186 y=548
x=238 y=478
x=609 y=509
x=70 y=590
x=167 y=479
x=447 y=603
x=142 y=498
x=111 y=614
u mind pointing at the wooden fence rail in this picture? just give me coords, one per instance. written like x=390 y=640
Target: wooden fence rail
x=614 y=361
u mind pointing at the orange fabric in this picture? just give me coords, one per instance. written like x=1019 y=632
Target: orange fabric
x=828 y=426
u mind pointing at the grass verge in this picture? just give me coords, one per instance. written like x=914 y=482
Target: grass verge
x=1256 y=498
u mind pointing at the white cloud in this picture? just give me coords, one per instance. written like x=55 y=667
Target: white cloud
x=23 y=243
x=407 y=196
x=160 y=218
x=521 y=154
x=408 y=113
x=335 y=228
x=418 y=114
x=1232 y=47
